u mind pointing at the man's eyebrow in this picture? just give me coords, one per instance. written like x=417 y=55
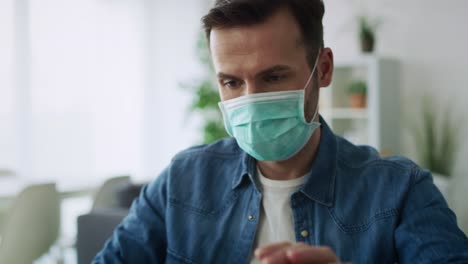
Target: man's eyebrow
x=222 y=75
x=275 y=68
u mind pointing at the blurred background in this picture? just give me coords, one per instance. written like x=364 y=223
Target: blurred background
x=96 y=97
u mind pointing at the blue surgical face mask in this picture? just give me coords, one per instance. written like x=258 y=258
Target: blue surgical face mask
x=270 y=126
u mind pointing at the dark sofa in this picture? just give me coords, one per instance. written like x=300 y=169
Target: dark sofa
x=96 y=227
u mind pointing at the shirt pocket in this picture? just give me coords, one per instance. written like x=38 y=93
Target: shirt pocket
x=206 y=205
x=360 y=221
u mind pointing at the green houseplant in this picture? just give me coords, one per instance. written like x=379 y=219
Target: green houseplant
x=357 y=91
x=206 y=97
x=437 y=139
x=367 y=33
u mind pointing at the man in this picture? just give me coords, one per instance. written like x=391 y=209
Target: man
x=285 y=189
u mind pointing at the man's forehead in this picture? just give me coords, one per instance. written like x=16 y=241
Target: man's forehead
x=280 y=30
x=252 y=55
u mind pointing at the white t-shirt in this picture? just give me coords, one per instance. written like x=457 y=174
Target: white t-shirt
x=276 y=217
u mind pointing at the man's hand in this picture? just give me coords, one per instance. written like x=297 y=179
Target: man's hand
x=300 y=253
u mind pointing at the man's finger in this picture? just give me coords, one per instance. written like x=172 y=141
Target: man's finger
x=277 y=257
x=265 y=251
x=311 y=255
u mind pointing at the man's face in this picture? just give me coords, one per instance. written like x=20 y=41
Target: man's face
x=267 y=57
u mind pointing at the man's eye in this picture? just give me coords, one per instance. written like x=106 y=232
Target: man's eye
x=231 y=84
x=274 y=78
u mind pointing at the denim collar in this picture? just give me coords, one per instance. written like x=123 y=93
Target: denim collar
x=320 y=185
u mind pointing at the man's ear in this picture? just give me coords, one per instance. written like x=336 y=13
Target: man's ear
x=325 y=67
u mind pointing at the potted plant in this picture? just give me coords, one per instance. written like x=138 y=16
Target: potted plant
x=206 y=97
x=367 y=33
x=357 y=91
x=437 y=142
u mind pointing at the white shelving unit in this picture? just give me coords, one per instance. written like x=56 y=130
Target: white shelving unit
x=378 y=124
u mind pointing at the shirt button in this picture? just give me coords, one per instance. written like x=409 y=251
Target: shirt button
x=304 y=233
x=251 y=217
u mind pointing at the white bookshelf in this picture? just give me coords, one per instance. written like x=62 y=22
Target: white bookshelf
x=378 y=124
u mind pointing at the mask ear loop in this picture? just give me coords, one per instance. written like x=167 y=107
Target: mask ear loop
x=305 y=91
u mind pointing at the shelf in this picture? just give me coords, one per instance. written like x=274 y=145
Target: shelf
x=345 y=113
x=375 y=124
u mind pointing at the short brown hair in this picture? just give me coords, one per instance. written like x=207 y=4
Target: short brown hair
x=308 y=13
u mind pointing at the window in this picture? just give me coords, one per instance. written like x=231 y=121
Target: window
x=92 y=88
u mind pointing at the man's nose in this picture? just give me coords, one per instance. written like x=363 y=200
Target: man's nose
x=252 y=88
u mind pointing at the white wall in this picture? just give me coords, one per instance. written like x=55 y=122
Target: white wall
x=7 y=93
x=168 y=128
x=430 y=39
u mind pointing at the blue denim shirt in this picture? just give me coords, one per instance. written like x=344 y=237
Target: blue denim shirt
x=205 y=205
